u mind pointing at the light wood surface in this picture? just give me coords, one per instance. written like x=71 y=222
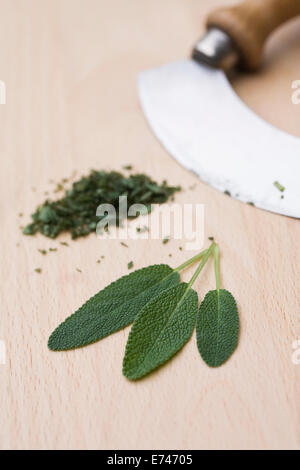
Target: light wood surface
x=70 y=68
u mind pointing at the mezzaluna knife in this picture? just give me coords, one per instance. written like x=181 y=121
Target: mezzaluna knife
x=199 y=119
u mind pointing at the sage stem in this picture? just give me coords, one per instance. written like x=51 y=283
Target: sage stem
x=205 y=257
x=217 y=266
x=191 y=261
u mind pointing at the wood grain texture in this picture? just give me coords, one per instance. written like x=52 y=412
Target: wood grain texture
x=70 y=68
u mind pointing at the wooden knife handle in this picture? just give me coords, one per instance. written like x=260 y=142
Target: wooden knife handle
x=250 y=23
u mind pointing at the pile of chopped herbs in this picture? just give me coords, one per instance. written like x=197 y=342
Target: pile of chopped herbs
x=76 y=211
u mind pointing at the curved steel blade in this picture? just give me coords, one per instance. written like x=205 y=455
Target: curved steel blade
x=200 y=120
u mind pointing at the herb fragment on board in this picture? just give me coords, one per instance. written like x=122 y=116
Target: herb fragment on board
x=78 y=270
x=142 y=229
x=124 y=244
x=75 y=212
x=166 y=240
x=38 y=270
x=279 y=186
x=228 y=193
x=29 y=230
x=52 y=249
x=64 y=244
x=127 y=167
x=130 y=265
x=59 y=188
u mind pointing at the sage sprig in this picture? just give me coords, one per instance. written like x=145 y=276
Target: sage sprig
x=164 y=312
x=115 y=307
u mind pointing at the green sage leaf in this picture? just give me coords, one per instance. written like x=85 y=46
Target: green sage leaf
x=217 y=327
x=113 y=308
x=161 y=329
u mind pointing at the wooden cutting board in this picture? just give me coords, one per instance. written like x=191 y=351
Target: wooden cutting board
x=70 y=68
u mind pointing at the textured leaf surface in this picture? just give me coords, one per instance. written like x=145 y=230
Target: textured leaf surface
x=113 y=308
x=217 y=327
x=162 y=327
